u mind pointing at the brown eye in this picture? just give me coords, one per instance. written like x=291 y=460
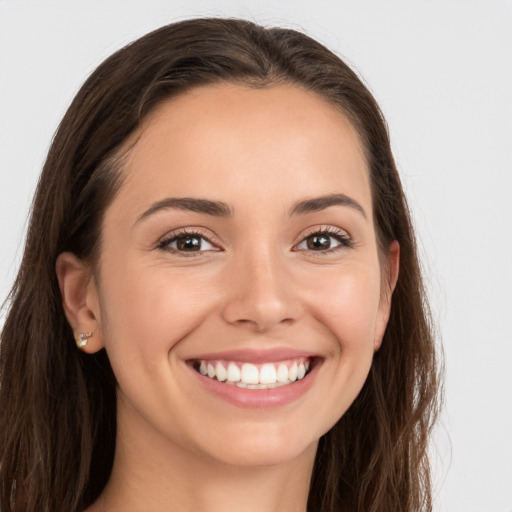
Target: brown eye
x=188 y=243
x=318 y=242
x=325 y=241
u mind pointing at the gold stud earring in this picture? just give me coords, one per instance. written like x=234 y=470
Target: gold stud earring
x=82 y=339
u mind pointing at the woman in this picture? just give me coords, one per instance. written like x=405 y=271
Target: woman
x=220 y=304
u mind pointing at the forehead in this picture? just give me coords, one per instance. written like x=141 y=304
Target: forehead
x=231 y=139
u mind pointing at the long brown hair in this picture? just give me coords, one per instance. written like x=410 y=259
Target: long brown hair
x=58 y=406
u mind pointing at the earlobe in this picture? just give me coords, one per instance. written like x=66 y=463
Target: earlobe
x=80 y=301
x=388 y=287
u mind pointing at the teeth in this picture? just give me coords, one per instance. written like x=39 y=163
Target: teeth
x=233 y=372
x=268 y=374
x=221 y=372
x=292 y=373
x=248 y=375
x=282 y=373
x=301 y=371
x=258 y=386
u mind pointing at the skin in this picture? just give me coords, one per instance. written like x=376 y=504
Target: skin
x=256 y=284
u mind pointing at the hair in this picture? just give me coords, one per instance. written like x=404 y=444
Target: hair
x=58 y=405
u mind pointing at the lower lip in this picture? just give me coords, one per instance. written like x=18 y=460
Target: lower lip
x=258 y=398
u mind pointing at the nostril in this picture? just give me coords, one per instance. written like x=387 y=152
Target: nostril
x=261 y=303
x=262 y=326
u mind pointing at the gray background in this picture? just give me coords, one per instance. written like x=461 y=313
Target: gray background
x=442 y=72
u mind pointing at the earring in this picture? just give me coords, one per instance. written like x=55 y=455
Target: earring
x=82 y=339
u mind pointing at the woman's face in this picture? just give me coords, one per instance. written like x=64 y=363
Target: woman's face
x=241 y=245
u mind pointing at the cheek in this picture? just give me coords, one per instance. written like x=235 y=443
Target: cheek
x=347 y=303
x=147 y=311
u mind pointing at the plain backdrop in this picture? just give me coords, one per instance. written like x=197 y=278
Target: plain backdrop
x=442 y=72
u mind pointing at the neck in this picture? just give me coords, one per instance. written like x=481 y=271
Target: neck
x=151 y=473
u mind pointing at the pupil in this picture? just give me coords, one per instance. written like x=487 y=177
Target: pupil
x=318 y=242
x=188 y=243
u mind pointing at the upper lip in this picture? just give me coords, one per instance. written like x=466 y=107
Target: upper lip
x=256 y=356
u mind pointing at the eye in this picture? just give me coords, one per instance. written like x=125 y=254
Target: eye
x=325 y=240
x=187 y=243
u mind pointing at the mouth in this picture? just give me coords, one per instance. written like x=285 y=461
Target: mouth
x=248 y=375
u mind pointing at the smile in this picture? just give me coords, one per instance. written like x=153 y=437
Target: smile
x=254 y=376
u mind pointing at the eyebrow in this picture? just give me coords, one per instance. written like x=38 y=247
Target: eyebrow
x=215 y=208
x=321 y=203
x=221 y=209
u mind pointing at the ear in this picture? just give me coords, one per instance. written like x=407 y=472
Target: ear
x=80 y=299
x=389 y=280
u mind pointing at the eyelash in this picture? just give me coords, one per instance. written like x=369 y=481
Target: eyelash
x=341 y=236
x=173 y=237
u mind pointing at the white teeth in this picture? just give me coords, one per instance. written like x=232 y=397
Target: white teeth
x=233 y=372
x=282 y=373
x=221 y=372
x=250 y=374
x=268 y=374
x=255 y=386
x=292 y=372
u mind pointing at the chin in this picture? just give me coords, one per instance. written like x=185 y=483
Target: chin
x=262 y=447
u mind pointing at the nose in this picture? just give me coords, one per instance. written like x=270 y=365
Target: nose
x=261 y=294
